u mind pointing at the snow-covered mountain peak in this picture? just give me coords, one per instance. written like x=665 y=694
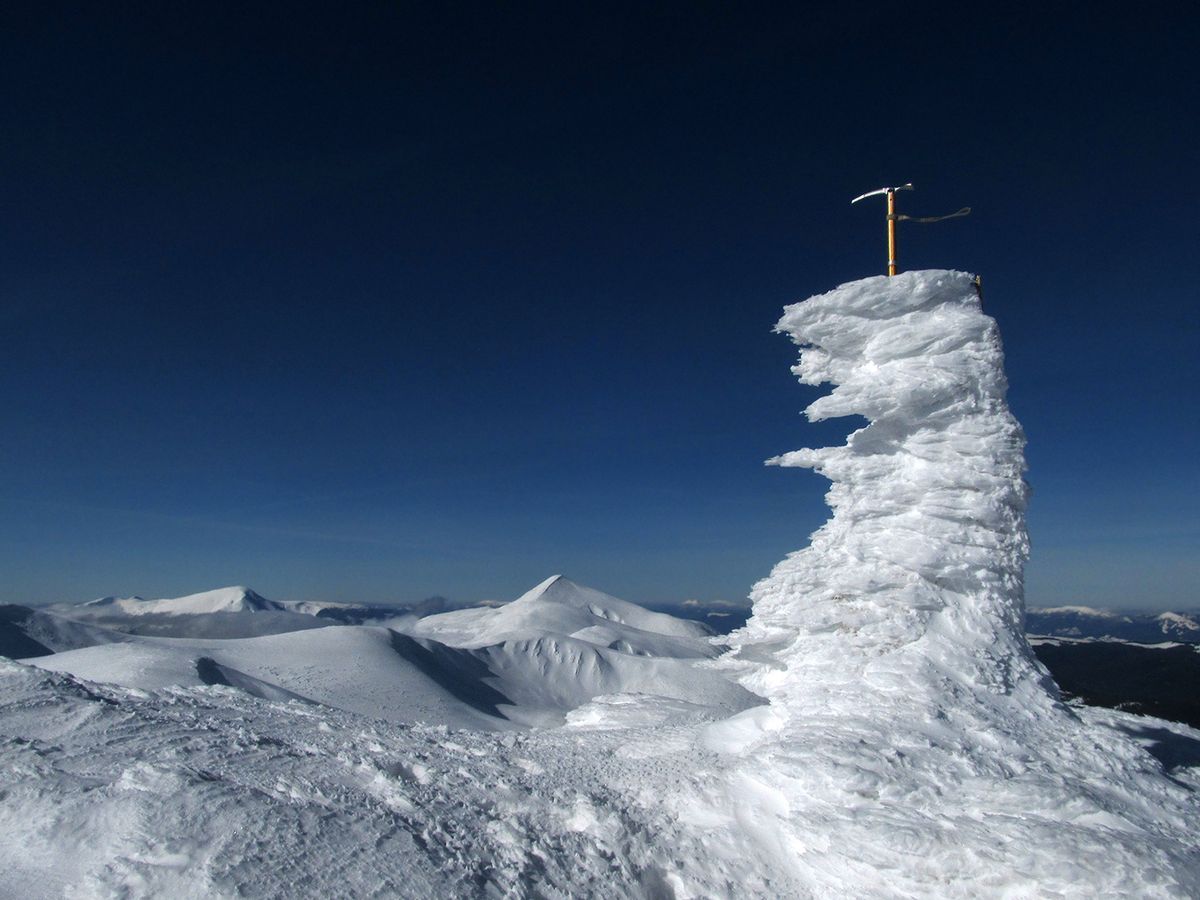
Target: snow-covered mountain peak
x=1074 y=611
x=539 y=591
x=109 y=601
x=1172 y=620
x=222 y=600
x=560 y=590
x=1139 y=627
x=559 y=606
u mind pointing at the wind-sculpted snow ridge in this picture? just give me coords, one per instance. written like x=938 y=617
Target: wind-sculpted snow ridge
x=912 y=743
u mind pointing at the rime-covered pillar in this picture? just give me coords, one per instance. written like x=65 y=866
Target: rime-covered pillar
x=914 y=587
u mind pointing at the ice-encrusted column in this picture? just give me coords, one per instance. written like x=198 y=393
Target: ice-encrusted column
x=915 y=583
x=912 y=745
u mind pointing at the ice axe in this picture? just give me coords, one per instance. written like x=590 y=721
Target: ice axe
x=893 y=218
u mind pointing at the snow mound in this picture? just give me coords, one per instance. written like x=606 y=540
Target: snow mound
x=545 y=678
x=371 y=671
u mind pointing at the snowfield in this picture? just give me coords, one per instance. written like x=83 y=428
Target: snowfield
x=527 y=663
x=879 y=728
x=208 y=791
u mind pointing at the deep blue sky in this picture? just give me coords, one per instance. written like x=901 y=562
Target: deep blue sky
x=373 y=305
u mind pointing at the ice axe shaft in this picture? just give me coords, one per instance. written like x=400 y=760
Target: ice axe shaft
x=890 y=193
x=893 y=217
x=891 y=220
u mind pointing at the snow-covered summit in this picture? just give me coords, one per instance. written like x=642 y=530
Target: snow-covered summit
x=222 y=600
x=1171 y=621
x=561 y=591
x=559 y=606
x=1086 y=622
x=1088 y=611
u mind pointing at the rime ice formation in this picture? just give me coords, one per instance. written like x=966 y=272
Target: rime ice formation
x=917 y=577
x=912 y=744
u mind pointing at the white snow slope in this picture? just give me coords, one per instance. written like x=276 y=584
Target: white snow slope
x=529 y=662
x=912 y=746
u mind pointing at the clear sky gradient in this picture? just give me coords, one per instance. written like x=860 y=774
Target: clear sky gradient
x=374 y=305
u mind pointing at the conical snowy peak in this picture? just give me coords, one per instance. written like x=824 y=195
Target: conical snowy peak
x=561 y=591
x=559 y=606
x=917 y=577
x=555 y=584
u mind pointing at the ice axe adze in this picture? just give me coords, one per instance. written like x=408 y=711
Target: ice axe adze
x=893 y=218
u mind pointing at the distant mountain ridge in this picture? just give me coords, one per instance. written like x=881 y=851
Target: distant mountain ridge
x=561 y=649
x=221 y=600
x=1087 y=622
x=229 y=612
x=181 y=616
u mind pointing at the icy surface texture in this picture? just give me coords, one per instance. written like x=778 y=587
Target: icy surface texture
x=916 y=580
